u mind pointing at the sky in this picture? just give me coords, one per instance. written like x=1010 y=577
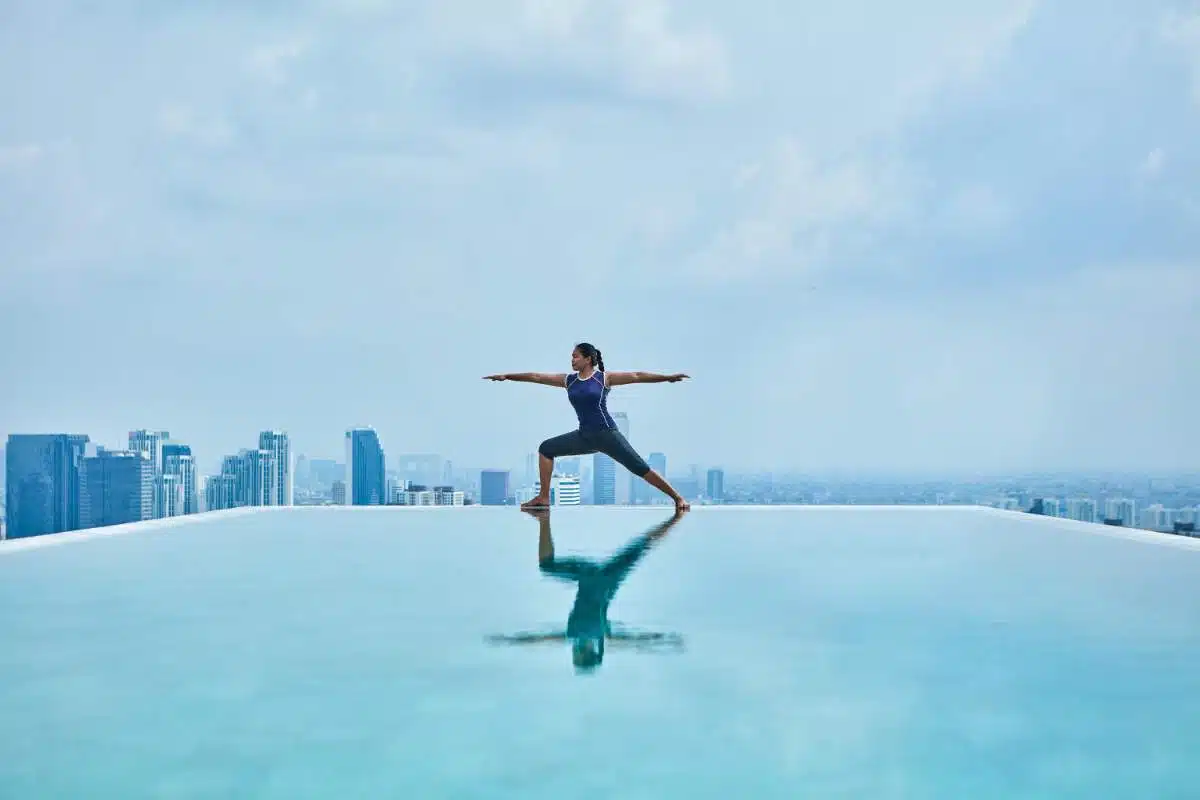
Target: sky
x=929 y=237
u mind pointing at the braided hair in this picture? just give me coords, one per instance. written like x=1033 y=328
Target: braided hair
x=591 y=353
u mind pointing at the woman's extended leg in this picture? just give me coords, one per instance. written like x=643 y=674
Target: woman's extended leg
x=659 y=482
x=568 y=444
x=612 y=443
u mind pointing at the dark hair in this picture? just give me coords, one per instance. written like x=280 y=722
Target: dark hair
x=591 y=353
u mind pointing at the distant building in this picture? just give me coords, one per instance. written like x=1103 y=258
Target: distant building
x=366 y=483
x=423 y=469
x=119 y=487
x=688 y=487
x=220 y=492
x=447 y=496
x=149 y=444
x=1121 y=510
x=279 y=489
x=338 y=493
x=323 y=472
x=494 y=487
x=169 y=491
x=565 y=490
x=1082 y=509
x=605 y=490
x=715 y=489
x=604 y=476
x=395 y=491
x=43 y=483
x=177 y=461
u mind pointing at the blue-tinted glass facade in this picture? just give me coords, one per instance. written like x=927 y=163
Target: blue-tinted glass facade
x=43 y=476
x=367 y=484
x=118 y=487
x=493 y=487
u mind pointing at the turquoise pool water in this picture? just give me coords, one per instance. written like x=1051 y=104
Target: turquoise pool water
x=809 y=652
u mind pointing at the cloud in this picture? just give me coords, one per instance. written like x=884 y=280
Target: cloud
x=271 y=62
x=800 y=213
x=183 y=121
x=19 y=155
x=873 y=219
x=1182 y=29
x=1152 y=165
x=634 y=48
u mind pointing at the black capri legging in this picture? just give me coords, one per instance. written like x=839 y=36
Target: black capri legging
x=610 y=442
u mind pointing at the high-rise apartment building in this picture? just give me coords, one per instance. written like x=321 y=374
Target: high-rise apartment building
x=149 y=444
x=177 y=461
x=43 y=483
x=279 y=489
x=119 y=487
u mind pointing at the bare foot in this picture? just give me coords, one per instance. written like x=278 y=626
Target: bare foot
x=536 y=503
x=681 y=505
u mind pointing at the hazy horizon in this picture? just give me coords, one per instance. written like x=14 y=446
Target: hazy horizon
x=928 y=239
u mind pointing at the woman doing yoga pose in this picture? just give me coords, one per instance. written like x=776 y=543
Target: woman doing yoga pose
x=587 y=389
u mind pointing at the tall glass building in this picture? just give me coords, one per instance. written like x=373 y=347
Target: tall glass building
x=118 y=487
x=43 y=482
x=366 y=478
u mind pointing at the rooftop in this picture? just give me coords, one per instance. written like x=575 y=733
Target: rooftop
x=753 y=652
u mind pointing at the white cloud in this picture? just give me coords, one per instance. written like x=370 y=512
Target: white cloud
x=271 y=62
x=183 y=121
x=973 y=211
x=966 y=51
x=1183 y=31
x=637 y=45
x=797 y=211
x=1152 y=165
x=19 y=155
x=664 y=59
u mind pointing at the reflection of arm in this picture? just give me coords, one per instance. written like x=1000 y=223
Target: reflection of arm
x=526 y=638
x=566 y=569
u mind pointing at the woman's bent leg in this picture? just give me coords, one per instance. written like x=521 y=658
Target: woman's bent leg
x=614 y=444
x=568 y=444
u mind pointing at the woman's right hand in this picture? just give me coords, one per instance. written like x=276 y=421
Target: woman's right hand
x=495 y=377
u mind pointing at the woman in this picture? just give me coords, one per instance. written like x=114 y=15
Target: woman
x=587 y=389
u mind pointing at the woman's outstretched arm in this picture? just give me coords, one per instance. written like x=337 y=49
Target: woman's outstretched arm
x=558 y=379
x=622 y=378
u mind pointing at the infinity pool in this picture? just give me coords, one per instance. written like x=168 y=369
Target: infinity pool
x=790 y=652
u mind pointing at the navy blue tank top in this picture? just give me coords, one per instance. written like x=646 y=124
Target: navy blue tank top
x=590 y=399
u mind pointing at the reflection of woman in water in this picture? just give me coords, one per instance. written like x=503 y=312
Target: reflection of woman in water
x=588 y=627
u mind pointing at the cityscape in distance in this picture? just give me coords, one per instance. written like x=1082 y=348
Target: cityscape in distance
x=60 y=482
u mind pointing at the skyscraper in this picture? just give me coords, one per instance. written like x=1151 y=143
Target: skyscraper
x=493 y=487
x=604 y=476
x=119 y=487
x=715 y=489
x=177 y=460
x=366 y=483
x=149 y=444
x=252 y=469
x=43 y=483
x=220 y=492
x=279 y=489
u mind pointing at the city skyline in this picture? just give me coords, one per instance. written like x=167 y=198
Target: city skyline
x=931 y=239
